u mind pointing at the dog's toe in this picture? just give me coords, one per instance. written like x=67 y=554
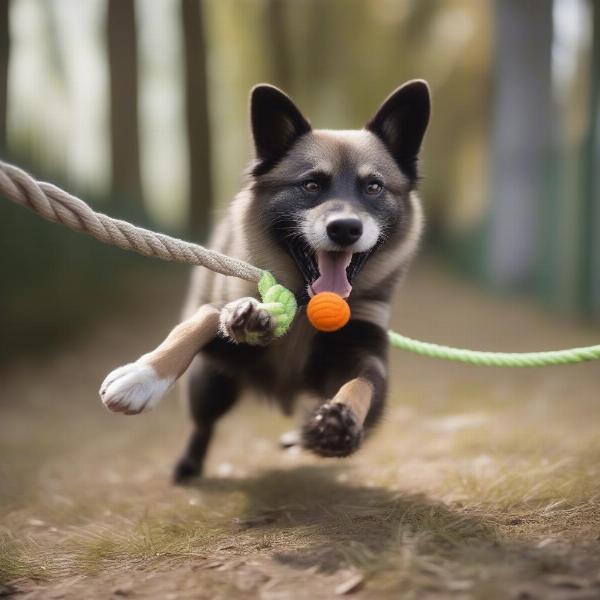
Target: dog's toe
x=332 y=431
x=245 y=321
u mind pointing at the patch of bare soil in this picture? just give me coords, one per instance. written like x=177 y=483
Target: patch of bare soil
x=480 y=483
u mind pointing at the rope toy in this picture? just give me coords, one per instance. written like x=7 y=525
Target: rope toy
x=326 y=311
x=279 y=301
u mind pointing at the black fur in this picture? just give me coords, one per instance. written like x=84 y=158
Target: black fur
x=356 y=350
x=401 y=123
x=276 y=125
x=212 y=393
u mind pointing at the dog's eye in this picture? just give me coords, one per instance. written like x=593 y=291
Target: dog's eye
x=373 y=188
x=311 y=186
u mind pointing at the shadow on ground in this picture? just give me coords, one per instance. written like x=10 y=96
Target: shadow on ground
x=400 y=539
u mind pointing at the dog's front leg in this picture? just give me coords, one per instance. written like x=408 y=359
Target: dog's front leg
x=337 y=427
x=140 y=385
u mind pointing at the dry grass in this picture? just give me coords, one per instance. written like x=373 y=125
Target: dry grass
x=480 y=483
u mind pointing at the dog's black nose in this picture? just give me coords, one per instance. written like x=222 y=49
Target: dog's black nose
x=344 y=231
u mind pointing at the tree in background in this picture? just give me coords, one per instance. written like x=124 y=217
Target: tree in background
x=198 y=127
x=280 y=53
x=124 y=125
x=522 y=137
x=4 y=50
x=590 y=219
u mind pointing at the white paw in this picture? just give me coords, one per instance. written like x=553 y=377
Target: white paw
x=132 y=388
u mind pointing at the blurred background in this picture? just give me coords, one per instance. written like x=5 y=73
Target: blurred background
x=140 y=107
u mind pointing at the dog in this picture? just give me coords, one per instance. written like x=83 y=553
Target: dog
x=323 y=210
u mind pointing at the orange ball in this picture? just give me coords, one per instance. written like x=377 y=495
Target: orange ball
x=327 y=311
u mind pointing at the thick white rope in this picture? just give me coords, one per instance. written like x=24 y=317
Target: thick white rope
x=58 y=206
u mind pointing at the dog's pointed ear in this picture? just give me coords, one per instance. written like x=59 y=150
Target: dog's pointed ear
x=276 y=124
x=401 y=122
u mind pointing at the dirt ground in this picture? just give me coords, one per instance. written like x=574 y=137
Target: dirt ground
x=480 y=483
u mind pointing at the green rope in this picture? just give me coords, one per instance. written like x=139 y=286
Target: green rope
x=281 y=303
x=495 y=359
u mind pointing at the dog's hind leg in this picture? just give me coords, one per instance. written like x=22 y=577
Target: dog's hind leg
x=211 y=393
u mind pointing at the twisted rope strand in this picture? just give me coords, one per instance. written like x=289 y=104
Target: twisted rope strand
x=54 y=204
x=495 y=359
x=58 y=206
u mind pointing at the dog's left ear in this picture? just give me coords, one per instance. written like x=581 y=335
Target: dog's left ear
x=401 y=122
x=276 y=124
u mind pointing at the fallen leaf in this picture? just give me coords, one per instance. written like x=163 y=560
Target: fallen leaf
x=350 y=585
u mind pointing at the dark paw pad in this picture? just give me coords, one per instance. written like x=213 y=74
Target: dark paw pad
x=332 y=431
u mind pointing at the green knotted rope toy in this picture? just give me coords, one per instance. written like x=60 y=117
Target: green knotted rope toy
x=58 y=206
x=281 y=303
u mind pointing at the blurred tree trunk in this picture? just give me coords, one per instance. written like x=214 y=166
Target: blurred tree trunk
x=522 y=135
x=124 y=125
x=280 y=54
x=198 y=126
x=590 y=222
x=4 y=52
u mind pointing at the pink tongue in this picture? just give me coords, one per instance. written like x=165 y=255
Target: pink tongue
x=332 y=269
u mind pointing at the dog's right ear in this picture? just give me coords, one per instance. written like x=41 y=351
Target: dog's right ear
x=401 y=122
x=276 y=124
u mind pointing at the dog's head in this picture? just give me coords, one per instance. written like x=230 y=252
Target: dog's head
x=333 y=199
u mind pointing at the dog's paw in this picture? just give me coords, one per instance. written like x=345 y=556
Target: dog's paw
x=133 y=388
x=246 y=322
x=186 y=470
x=333 y=430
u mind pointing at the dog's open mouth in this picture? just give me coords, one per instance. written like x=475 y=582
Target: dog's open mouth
x=332 y=273
x=327 y=271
